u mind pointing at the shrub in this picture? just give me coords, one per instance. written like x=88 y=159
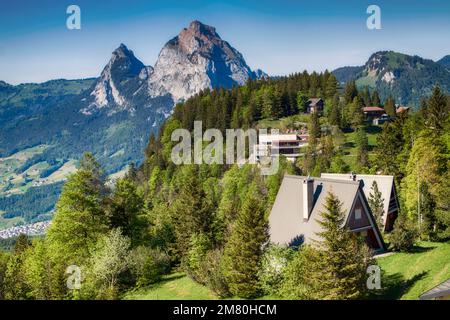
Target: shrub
x=148 y=265
x=404 y=235
x=211 y=270
x=274 y=262
x=299 y=277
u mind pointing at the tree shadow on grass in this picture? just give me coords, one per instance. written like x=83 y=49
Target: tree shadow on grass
x=349 y=144
x=394 y=286
x=420 y=249
x=373 y=129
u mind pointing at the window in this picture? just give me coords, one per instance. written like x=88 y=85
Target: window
x=357 y=214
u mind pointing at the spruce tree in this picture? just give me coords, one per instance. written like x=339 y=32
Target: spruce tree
x=350 y=91
x=335 y=114
x=191 y=213
x=345 y=255
x=365 y=95
x=301 y=101
x=331 y=86
x=244 y=250
x=389 y=146
x=15 y=285
x=22 y=243
x=437 y=111
x=80 y=218
x=427 y=211
x=362 y=148
x=376 y=204
x=389 y=106
x=376 y=99
x=356 y=114
x=125 y=209
x=314 y=128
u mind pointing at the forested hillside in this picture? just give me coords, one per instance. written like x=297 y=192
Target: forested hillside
x=408 y=78
x=210 y=221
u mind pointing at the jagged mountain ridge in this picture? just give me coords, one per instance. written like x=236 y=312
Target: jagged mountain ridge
x=113 y=115
x=196 y=59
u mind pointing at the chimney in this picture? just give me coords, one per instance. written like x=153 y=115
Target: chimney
x=308 y=191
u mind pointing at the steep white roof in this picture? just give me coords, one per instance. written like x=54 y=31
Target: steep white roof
x=385 y=185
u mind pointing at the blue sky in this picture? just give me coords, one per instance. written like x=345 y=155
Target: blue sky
x=279 y=37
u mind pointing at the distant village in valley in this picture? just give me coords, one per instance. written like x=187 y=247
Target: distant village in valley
x=32 y=229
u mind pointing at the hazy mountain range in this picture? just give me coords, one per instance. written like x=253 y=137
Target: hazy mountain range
x=45 y=128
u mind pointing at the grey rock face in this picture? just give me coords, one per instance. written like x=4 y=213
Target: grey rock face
x=197 y=59
x=194 y=60
x=123 y=75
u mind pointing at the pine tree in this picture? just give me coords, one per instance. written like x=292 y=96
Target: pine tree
x=4 y=257
x=150 y=148
x=376 y=204
x=404 y=235
x=15 y=284
x=236 y=121
x=244 y=250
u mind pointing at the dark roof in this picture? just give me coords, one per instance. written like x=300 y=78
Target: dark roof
x=440 y=290
x=286 y=218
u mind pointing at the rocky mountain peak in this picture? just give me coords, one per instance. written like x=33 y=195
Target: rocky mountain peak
x=122 y=71
x=199 y=29
x=197 y=59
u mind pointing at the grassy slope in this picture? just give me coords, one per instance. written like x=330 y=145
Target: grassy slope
x=350 y=145
x=173 y=287
x=406 y=276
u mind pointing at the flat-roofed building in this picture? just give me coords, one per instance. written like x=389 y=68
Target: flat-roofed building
x=286 y=144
